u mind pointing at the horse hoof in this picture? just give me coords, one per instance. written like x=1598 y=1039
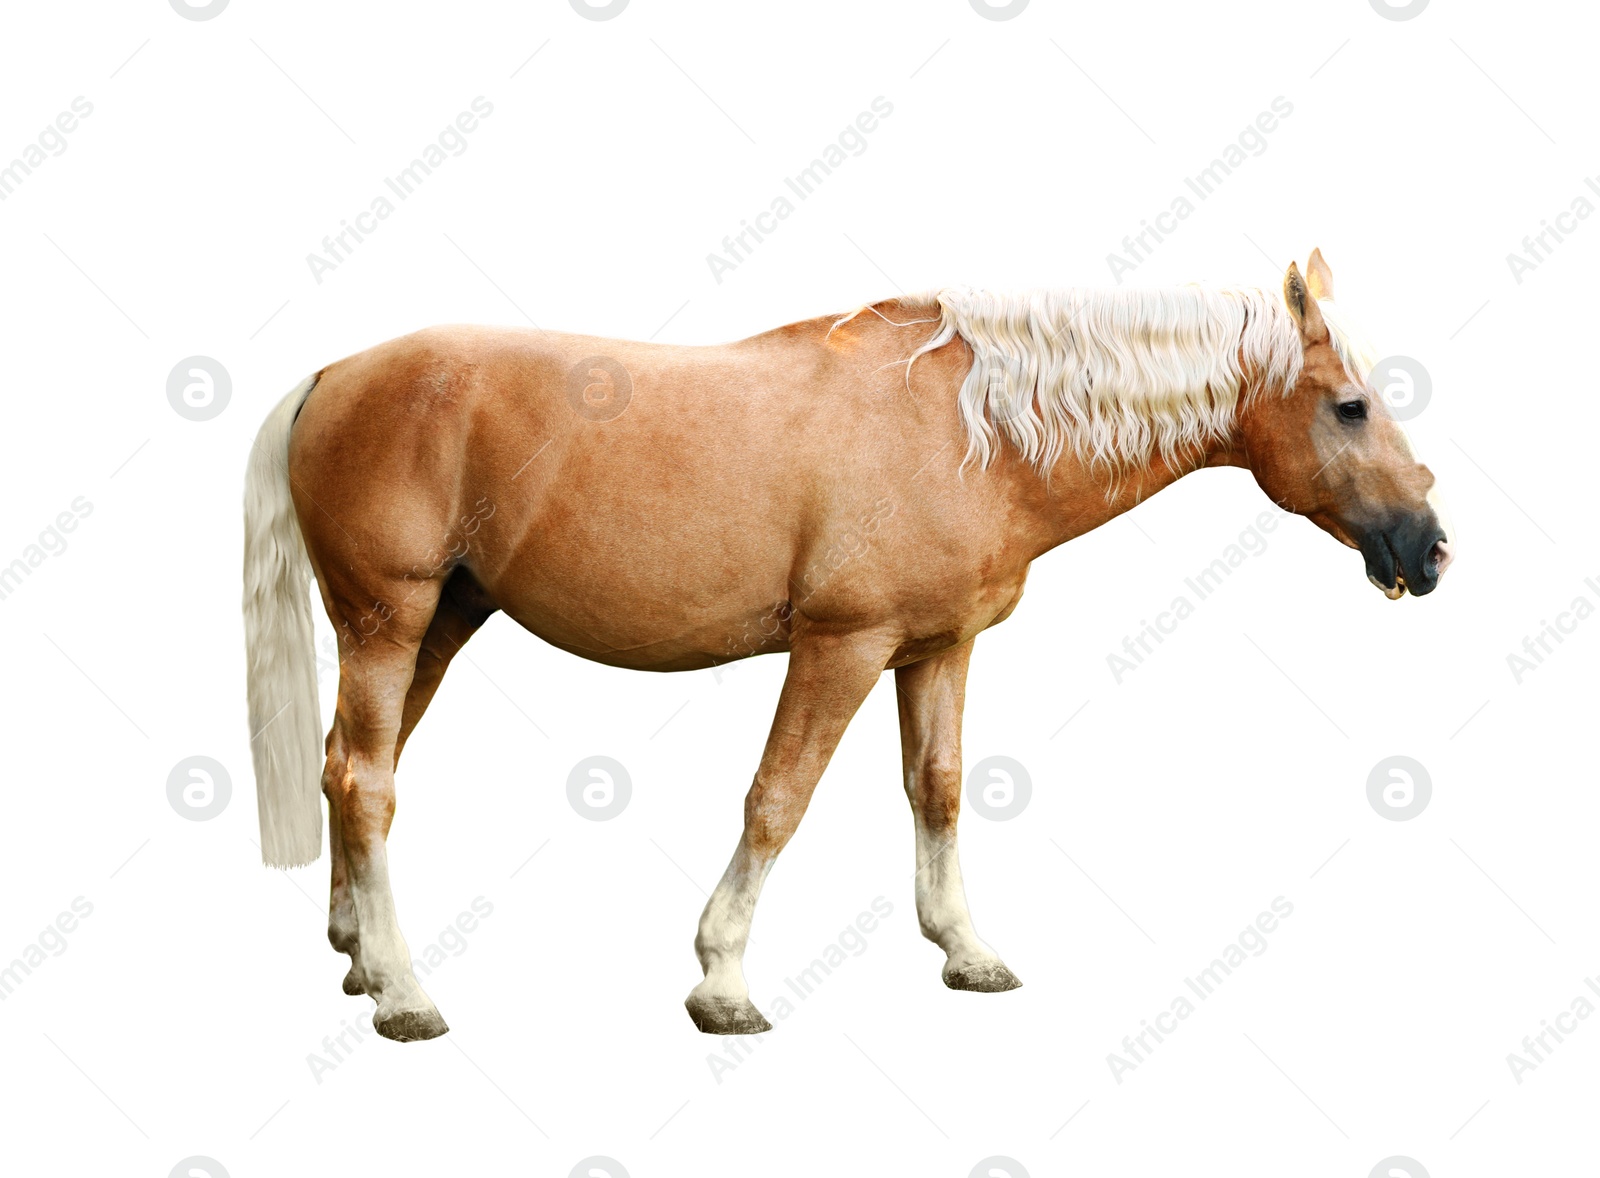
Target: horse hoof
x=984 y=977
x=410 y=1026
x=726 y=1016
x=352 y=983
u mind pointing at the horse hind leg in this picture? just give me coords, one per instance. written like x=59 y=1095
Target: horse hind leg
x=381 y=644
x=462 y=609
x=343 y=933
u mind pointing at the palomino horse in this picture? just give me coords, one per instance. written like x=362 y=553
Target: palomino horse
x=865 y=493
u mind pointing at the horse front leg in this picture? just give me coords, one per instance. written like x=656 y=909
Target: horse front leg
x=828 y=677
x=930 y=696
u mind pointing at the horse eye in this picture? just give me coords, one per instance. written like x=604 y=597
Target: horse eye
x=1352 y=410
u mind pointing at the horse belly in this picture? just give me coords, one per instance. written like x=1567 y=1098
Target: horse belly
x=646 y=601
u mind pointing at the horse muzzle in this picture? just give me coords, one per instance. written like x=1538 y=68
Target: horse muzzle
x=1409 y=556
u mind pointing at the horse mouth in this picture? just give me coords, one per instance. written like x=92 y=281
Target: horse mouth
x=1393 y=592
x=1384 y=566
x=1392 y=567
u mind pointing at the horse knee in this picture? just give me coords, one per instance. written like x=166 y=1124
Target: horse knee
x=935 y=792
x=772 y=813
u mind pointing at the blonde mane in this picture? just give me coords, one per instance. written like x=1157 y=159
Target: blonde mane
x=1120 y=376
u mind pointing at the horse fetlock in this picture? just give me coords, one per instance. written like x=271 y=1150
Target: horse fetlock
x=345 y=941
x=343 y=933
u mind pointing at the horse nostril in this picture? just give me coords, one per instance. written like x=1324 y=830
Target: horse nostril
x=1440 y=555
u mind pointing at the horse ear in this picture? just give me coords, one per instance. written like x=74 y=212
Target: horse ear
x=1319 y=278
x=1307 y=315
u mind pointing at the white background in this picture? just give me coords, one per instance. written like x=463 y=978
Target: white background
x=1173 y=807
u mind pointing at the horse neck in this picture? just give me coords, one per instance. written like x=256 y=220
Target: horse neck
x=1076 y=496
x=1042 y=508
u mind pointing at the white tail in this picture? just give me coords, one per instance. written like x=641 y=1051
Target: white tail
x=280 y=650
